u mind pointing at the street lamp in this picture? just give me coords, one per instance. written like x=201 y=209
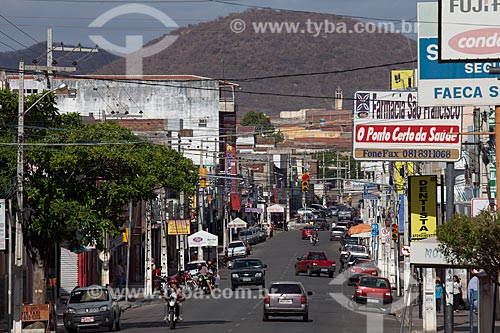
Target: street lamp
x=19 y=249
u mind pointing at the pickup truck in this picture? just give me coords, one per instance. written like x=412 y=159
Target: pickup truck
x=315 y=263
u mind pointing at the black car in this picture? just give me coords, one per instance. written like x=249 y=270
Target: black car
x=321 y=224
x=248 y=271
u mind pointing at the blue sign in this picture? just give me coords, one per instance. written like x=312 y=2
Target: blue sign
x=374 y=229
x=371 y=192
x=431 y=69
x=401 y=213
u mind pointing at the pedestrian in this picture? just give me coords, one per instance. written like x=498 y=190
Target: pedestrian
x=157 y=278
x=271 y=231
x=439 y=295
x=472 y=291
x=457 y=293
x=119 y=272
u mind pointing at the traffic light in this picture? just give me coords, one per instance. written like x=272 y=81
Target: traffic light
x=203 y=177
x=395 y=232
x=305 y=182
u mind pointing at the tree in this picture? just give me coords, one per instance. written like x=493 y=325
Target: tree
x=472 y=242
x=78 y=178
x=262 y=125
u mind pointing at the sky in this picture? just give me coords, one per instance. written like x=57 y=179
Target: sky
x=23 y=22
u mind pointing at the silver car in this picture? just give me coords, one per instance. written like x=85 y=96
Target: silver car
x=91 y=307
x=286 y=298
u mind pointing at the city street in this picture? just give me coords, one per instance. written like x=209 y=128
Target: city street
x=245 y=315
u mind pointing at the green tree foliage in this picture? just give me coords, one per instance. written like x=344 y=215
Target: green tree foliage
x=472 y=242
x=262 y=125
x=79 y=178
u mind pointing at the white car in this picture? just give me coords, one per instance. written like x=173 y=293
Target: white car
x=192 y=267
x=237 y=249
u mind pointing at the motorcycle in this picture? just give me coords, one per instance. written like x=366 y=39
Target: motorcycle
x=314 y=240
x=202 y=284
x=173 y=301
x=186 y=280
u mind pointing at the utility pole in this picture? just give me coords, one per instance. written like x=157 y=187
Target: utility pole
x=50 y=49
x=129 y=242
x=148 y=286
x=163 y=233
x=450 y=210
x=181 y=237
x=200 y=203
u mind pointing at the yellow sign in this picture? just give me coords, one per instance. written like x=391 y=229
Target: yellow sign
x=423 y=206
x=400 y=175
x=179 y=227
x=402 y=79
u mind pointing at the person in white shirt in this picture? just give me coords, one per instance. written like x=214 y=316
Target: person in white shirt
x=472 y=290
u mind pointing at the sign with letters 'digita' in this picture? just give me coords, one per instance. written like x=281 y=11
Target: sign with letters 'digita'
x=423 y=206
x=451 y=83
x=3 y=234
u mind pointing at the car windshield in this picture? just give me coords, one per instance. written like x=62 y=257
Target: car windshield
x=365 y=263
x=246 y=263
x=244 y=233
x=285 y=288
x=239 y=244
x=88 y=295
x=317 y=256
x=373 y=282
x=338 y=229
x=308 y=228
x=190 y=266
x=357 y=248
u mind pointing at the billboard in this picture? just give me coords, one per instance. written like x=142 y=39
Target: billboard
x=423 y=206
x=390 y=126
x=449 y=83
x=402 y=79
x=179 y=227
x=468 y=30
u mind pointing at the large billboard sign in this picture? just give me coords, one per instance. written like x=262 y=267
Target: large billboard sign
x=468 y=30
x=423 y=206
x=390 y=126
x=449 y=83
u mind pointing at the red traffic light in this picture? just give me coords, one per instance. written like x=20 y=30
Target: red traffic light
x=305 y=177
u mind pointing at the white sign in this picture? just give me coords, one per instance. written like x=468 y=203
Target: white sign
x=479 y=204
x=3 y=233
x=405 y=250
x=390 y=126
x=450 y=83
x=426 y=253
x=350 y=185
x=468 y=30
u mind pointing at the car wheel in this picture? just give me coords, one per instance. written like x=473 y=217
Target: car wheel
x=117 y=324
x=265 y=317
x=330 y=275
x=305 y=317
x=309 y=271
x=233 y=287
x=296 y=272
x=71 y=330
x=318 y=274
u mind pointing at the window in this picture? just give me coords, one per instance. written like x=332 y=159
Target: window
x=202 y=122
x=285 y=289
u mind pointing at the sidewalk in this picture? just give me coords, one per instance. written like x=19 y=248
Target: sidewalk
x=139 y=301
x=460 y=321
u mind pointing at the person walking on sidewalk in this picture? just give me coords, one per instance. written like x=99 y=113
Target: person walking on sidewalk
x=457 y=293
x=119 y=272
x=439 y=295
x=472 y=289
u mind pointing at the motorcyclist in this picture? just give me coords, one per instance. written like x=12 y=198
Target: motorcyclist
x=202 y=269
x=314 y=235
x=173 y=286
x=210 y=280
x=343 y=260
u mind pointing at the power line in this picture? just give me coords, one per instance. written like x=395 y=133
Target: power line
x=21 y=30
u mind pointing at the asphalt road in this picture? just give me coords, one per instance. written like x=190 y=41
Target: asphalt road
x=329 y=309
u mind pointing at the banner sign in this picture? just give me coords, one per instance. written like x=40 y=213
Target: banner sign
x=450 y=83
x=423 y=206
x=253 y=210
x=390 y=126
x=350 y=185
x=468 y=30
x=371 y=192
x=402 y=79
x=179 y=227
x=3 y=233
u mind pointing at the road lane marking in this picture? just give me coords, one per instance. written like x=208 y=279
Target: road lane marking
x=243 y=318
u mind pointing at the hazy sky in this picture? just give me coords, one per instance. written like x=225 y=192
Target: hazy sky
x=70 y=19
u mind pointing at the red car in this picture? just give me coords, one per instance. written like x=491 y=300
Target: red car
x=363 y=266
x=315 y=263
x=307 y=231
x=373 y=291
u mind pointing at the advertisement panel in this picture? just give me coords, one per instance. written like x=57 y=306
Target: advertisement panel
x=450 y=83
x=179 y=227
x=423 y=206
x=3 y=234
x=468 y=30
x=390 y=126
x=402 y=79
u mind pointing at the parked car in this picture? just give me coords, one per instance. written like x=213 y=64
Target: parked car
x=327 y=212
x=249 y=271
x=315 y=263
x=353 y=279
x=354 y=256
x=91 y=307
x=286 y=298
x=366 y=266
x=373 y=291
x=307 y=231
x=237 y=249
x=248 y=235
x=338 y=233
